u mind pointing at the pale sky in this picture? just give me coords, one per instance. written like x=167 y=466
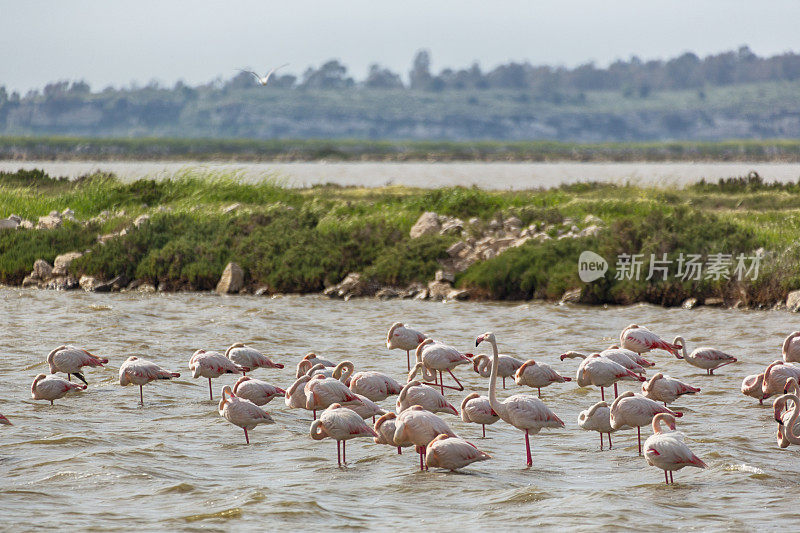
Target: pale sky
x=109 y=42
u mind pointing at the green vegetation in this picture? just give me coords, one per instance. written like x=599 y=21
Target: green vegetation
x=290 y=240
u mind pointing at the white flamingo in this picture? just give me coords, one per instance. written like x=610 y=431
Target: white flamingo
x=342 y=371
x=752 y=386
x=296 y=393
x=788 y=427
x=248 y=357
x=385 y=427
x=340 y=424
x=140 y=372
x=322 y=392
x=376 y=386
x=257 y=391
x=430 y=399
x=633 y=356
x=241 y=412
x=601 y=372
x=366 y=408
x=477 y=410
x=709 y=359
x=597 y=418
x=265 y=79
x=52 y=387
x=71 y=360
x=639 y=339
x=620 y=356
x=311 y=359
x=775 y=377
x=634 y=410
x=401 y=337
x=791 y=348
x=522 y=411
x=435 y=357
x=667 y=451
x=665 y=389
x=419 y=427
x=482 y=364
x=452 y=453
x=538 y=375
x=213 y=365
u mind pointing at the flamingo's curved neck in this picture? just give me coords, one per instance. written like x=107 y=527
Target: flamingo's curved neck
x=481 y=363
x=497 y=406
x=343 y=371
x=789 y=426
x=682 y=342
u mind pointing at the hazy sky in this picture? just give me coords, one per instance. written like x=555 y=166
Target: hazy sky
x=108 y=42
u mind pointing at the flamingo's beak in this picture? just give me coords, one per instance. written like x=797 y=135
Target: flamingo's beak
x=478 y=341
x=561 y=357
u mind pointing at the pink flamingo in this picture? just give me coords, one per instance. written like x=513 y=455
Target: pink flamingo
x=791 y=348
x=141 y=372
x=296 y=393
x=633 y=356
x=376 y=386
x=597 y=418
x=537 y=375
x=435 y=357
x=4 y=420
x=213 y=365
x=257 y=391
x=640 y=340
x=402 y=338
x=635 y=410
x=776 y=375
x=340 y=424
x=601 y=372
x=665 y=389
x=522 y=411
x=788 y=427
x=430 y=399
x=667 y=451
x=52 y=388
x=709 y=359
x=341 y=371
x=476 y=409
x=385 y=427
x=248 y=357
x=452 y=453
x=419 y=427
x=366 y=408
x=322 y=392
x=241 y=412
x=482 y=364
x=618 y=356
x=752 y=386
x=315 y=359
x=70 y=360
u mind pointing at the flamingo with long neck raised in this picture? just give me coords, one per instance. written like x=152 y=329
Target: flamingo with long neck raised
x=522 y=411
x=435 y=357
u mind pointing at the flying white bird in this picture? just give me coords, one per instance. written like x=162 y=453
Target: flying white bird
x=263 y=81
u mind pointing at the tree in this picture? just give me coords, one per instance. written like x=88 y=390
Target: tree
x=420 y=76
x=331 y=75
x=382 y=78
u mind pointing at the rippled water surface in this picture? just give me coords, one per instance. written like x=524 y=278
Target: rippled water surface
x=96 y=460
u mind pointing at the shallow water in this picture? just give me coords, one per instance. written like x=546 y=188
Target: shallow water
x=98 y=461
x=430 y=175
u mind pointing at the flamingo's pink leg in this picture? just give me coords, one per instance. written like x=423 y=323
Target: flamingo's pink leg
x=210 y=392
x=246 y=438
x=639 y=437
x=339 y=452
x=615 y=390
x=141 y=395
x=528 y=448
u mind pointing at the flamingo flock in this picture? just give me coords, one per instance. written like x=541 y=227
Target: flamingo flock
x=345 y=404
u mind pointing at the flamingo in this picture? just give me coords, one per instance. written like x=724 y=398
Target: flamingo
x=601 y=372
x=5 y=421
x=52 y=388
x=263 y=81
x=753 y=386
x=791 y=348
x=70 y=360
x=385 y=427
x=667 y=451
x=213 y=365
x=776 y=375
x=419 y=427
x=635 y=410
x=257 y=391
x=537 y=375
x=633 y=356
x=482 y=364
x=340 y=424
x=376 y=386
x=310 y=360
x=366 y=408
x=245 y=356
x=401 y=337
x=452 y=453
x=430 y=399
x=597 y=418
x=435 y=357
x=788 y=427
x=640 y=340
x=141 y=372
x=522 y=411
x=617 y=355
x=665 y=389
x=476 y=409
x=296 y=394
x=322 y=392
x=241 y=412
x=709 y=359
x=342 y=371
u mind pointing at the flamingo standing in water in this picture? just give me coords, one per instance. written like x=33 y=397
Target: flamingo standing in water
x=141 y=372
x=376 y=386
x=435 y=357
x=342 y=371
x=296 y=393
x=597 y=418
x=52 y=387
x=601 y=372
x=618 y=356
x=5 y=421
x=257 y=391
x=776 y=376
x=665 y=389
x=788 y=427
x=340 y=424
x=709 y=359
x=70 y=360
x=452 y=453
x=537 y=375
x=313 y=359
x=430 y=399
x=635 y=410
x=633 y=356
x=401 y=337
x=753 y=386
x=366 y=408
x=667 y=451
x=522 y=411
x=640 y=340
x=385 y=427
x=419 y=427
x=482 y=364
x=248 y=357
x=476 y=409
x=213 y=365
x=322 y=392
x=791 y=348
x=241 y=412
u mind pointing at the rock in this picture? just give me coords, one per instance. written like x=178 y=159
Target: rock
x=49 y=222
x=413 y=290
x=18 y=219
x=458 y=294
x=102 y=239
x=141 y=219
x=512 y=223
x=571 y=296
x=352 y=285
x=494 y=225
x=8 y=223
x=68 y=214
x=714 y=302
x=87 y=283
x=231 y=208
x=41 y=270
x=387 y=293
x=422 y=295
x=62 y=283
x=452 y=227
x=261 y=291
x=793 y=301
x=439 y=290
x=474 y=221
x=62 y=263
x=26 y=224
x=520 y=241
x=456 y=249
x=541 y=237
x=444 y=275
x=689 y=303
x=30 y=281
x=590 y=231
x=574 y=229
x=232 y=279
x=591 y=219
x=146 y=288
x=426 y=224
x=135 y=284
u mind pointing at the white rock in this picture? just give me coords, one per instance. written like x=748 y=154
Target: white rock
x=426 y=224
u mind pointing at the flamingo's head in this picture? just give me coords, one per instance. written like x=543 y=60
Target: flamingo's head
x=488 y=336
